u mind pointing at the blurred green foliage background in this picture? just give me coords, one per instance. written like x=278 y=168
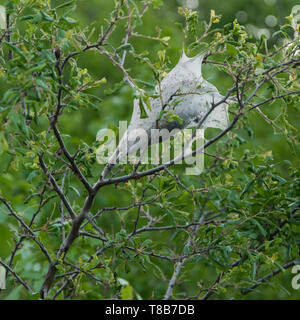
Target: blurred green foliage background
x=259 y=17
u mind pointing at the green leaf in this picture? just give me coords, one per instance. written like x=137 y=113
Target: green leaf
x=31 y=175
x=37 y=18
x=148 y=84
x=22 y=125
x=2 y=109
x=75 y=190
x=187 y=249
x=70 y=106
x=66 y=4
x=124 y=47
x=16 y=50
x=9 y=96
x=279 y=266
x=93 y=97
x=127 y=293
x=46 y=16
x=69 y=20
x=146 y=100
x=27 y=17
x=42 y=84
x=171 y=217
x=37 y=68
x=259 y=226
x=144 y=114
x=147 y=242
x=115 y=89
x=278 y=178
x=231 y=50
x=248 y=187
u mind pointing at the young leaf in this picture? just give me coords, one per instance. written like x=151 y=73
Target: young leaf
x=142 y=109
